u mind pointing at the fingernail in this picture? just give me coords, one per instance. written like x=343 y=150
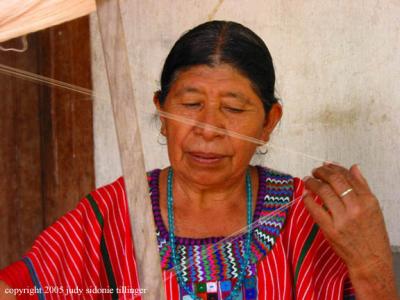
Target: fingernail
x=358 y=167
x=305 y=193
x=306 y=178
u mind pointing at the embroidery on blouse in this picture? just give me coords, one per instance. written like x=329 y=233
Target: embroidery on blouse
x=219 y=290
x=217 y=259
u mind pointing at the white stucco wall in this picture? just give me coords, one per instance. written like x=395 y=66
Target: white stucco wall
x=338 y=73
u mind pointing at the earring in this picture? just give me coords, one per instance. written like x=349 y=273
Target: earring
x=262 y=151
x=161 y=139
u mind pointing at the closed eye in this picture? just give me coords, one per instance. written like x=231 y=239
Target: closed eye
x=234 y=109
x=192 y=105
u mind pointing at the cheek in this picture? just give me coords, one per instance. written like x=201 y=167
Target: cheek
x=243 y=150
x=250 y=127
x=176 y=134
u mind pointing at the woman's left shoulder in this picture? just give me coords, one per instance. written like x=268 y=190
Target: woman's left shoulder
x=299 y=234
x=290 y=190
x=276 y=182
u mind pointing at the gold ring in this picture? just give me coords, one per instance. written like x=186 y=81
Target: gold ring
x=345 y=192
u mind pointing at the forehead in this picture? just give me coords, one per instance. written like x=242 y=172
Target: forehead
x=221 y=79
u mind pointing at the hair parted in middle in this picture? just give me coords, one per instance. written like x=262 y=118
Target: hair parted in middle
x=222 y=42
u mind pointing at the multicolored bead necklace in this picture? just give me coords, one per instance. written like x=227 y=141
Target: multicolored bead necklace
x=175 y=257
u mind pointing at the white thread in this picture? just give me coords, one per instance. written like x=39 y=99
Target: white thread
x=239 y=233
x=52 y=82
x=23 y=49
x=210 y=127
x=232 y=134
x=43 y=79
x=87 y=92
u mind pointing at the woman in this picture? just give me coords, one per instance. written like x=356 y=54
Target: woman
x=220 y=73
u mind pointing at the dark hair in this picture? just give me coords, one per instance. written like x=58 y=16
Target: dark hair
x=217 y=42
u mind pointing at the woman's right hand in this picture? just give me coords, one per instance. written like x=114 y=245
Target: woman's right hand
x=3 y=294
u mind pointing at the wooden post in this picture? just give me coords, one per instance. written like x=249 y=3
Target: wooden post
x=130 y=146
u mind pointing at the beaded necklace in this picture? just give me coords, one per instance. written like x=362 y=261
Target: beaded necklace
x=175 y=257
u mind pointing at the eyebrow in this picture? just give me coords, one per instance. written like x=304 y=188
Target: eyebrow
x=242 y=98
x=190 y=89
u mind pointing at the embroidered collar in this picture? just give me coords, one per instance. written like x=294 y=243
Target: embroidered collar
x=219 y=258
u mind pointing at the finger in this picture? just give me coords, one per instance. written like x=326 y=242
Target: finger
x=327 y=195
x=356 y=172
x=317 y=212
x=359 y=184
x=337 y=179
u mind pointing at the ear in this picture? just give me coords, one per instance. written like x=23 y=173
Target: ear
x=271 y=120
x=156 y=101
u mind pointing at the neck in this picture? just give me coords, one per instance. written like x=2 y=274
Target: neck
x=204 y=197
x=229 y=194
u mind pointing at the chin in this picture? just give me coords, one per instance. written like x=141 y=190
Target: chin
x=208 y=175
x=207 y=179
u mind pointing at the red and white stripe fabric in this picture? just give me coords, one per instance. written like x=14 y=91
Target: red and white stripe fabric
x=90 y=248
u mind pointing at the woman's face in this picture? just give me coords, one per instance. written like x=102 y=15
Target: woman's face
x=219 y=96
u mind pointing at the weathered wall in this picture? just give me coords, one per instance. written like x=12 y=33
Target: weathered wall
x=338 y=72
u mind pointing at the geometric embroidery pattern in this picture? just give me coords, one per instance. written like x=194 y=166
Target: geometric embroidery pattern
x=217 y=259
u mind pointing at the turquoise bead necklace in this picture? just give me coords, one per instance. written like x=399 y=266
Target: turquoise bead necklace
x=172 y=238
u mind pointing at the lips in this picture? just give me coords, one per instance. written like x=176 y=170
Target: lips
x=206 y=157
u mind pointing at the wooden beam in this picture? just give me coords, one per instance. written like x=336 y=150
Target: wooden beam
x=17 y=19
x=130 y=147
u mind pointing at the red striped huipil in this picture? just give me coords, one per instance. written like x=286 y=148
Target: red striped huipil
x=90 y=249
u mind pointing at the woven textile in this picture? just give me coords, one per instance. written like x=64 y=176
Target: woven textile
x=88 y=254
x=216 y=258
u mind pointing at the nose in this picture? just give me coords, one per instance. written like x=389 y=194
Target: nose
x=211 y=124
